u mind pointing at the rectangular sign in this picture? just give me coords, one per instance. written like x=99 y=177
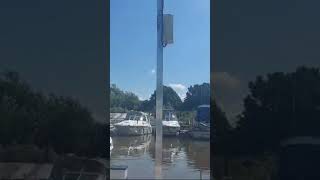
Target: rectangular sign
x=167 y=29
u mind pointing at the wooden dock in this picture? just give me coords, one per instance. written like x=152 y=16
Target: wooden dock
x=119 y=172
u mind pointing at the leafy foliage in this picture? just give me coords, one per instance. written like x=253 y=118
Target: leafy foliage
x=186 y=117
x=196 y=95
x=280 y=105
x=170 y=100
x=219 y=120
x=122 y=101
x=28 y=117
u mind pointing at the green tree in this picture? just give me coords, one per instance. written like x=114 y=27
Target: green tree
x=29 y=117
x=219 y=121
x=69 y=126
x=195 y=96
x=170 y=100
x=122 y=101
x=280 y=105
x=16 y=102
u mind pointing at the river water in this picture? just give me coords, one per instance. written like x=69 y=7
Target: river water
x=182 y=158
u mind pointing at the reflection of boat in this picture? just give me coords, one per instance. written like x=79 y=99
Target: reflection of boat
x=135 y=145
x=201 y=126
x=171 y=149
x=112 y=130
x=170 y=155
x=135 y=123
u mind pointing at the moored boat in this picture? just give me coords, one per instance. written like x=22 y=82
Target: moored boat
x=135 y=124
x=111 y=145
x=201 y=126
x=170 y=124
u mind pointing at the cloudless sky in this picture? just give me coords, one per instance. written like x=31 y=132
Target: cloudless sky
x=133 y=35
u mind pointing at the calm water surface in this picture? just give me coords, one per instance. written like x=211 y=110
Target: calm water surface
x=182 y=158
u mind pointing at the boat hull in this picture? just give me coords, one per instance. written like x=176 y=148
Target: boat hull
x=167 y=131
x=196 y=134
x=170 y=130
x=133 y=130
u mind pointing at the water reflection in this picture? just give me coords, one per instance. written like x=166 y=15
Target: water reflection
x=195 y=153
x=171 y=149
x=134 y=146
x=182 y=158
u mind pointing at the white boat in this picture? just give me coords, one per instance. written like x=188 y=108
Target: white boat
x=170 y=124
x=117 y=117
x=111 y=145
x=135 y=123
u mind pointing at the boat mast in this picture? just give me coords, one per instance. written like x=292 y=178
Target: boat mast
x=159 y=90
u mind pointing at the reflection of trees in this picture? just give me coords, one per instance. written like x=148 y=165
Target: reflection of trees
x=171 y=149
x=198 y=153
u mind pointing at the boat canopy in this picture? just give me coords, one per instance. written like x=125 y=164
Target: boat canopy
x=203 y=114
x=169 y=115
x=136 y=116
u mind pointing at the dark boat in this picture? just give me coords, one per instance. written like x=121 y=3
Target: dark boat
x=201 y=125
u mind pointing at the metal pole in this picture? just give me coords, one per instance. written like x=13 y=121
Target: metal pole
x=159 y=91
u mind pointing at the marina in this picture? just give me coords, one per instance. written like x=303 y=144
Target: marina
x=139 y=123
x=182 y=158
x=156 y=143
x=185 y=152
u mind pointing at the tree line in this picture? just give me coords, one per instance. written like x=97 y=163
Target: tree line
x=62 y=123
x=196 y=95
x=279 y=106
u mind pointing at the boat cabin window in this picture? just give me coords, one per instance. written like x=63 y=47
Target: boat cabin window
x=136 y=118
x=144 y=118
x=169 y=116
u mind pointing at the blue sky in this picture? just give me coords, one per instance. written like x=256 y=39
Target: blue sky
x=133 y=36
